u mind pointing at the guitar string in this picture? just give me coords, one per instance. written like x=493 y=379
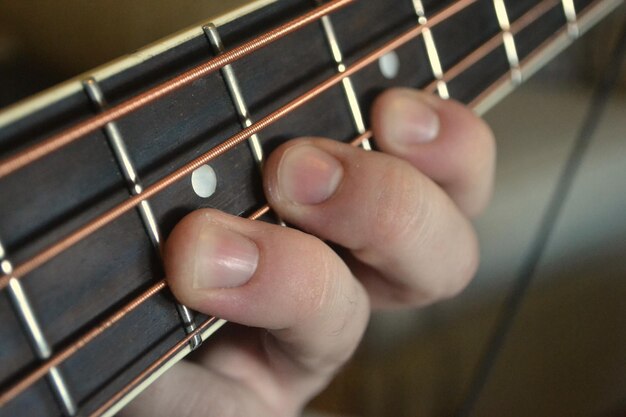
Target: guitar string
x=100 y=221
x=28 y=156
x=496 y=41
x=135 y=303
x=78 y=131
x=175 y=349
x=95 y=331
x=179 y=346
x=533 y=55
x=64 y=244
x=142 y=376
x=522 y=22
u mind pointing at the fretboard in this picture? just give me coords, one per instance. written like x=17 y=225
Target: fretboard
x=86 y=319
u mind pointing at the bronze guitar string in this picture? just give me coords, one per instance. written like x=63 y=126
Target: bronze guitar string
x=73 y=348
x=54 y=250
x=78 y=131
x=68 y=352
x=265 y=209
x=138 y=379
x=356 y=142
x=524 y=21
x=531 y=57
x=107 y=217
x=520 y=24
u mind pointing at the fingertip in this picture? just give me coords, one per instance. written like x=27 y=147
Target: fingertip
x=464 y=160
x=249 y=272
x=461 y=158
x=403 y=118
x=305 y=173
x=204 y=254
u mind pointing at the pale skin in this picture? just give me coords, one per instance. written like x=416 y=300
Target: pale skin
x=402 y=218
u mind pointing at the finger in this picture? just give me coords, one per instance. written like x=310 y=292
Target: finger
x=274 y=278
x=385 y=212
x=191 y=390
x=443 y=139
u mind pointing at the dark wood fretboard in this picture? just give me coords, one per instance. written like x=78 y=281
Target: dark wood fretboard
x=49 y=309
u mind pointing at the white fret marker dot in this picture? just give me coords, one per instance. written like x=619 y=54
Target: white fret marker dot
x=389 y=65
x=204 y=181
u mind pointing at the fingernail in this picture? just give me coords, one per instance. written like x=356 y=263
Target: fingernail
x=409 y=119
x=223 y=259
x=307 y=175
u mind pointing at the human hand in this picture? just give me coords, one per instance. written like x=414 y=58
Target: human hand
x=400 y=218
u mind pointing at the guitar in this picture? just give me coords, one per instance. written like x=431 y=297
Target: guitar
x=113 y=159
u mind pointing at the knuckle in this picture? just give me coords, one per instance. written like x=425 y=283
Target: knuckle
x=485 y=151
x=329 y=300
x=400 y=206
x=448 y=284
x=478 y=150
x=475 y=171
x=468 y=261
x=484 y=137
x=318 y=284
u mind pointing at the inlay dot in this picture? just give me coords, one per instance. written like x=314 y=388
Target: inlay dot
x=204 y=181
x=389 y=65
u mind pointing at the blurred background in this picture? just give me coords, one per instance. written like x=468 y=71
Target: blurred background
x=565 y=354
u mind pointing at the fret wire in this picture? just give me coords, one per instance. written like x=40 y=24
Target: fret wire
x=74 y=347
x=463 y=65
x=508 y=40
x=234 y=90
x=88 y=337
x=78 y=131
x=210 y=325
x=168 y=356
x=475 y=103
x=348 y=87
x=227 y=145
x=431 y=50
x=572 y=20
x=162 y=364
x=520 y=24
x=112 y=214
x=220 y=149
x=31 y=327
x=528 y=64
x=135 y=187
x=70 y=350
x=235 y=93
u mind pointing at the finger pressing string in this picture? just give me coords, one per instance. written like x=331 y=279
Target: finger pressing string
x=106 y=218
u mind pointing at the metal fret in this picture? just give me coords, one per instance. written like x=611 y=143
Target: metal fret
x=509 y=41
x=431 y=50
x=236 y=95
x=348 y=88
x=572 y=19
x=234 y=90
x=31 y=327
x=135 y=187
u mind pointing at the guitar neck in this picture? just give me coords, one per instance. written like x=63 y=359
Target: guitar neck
x=88 y=322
